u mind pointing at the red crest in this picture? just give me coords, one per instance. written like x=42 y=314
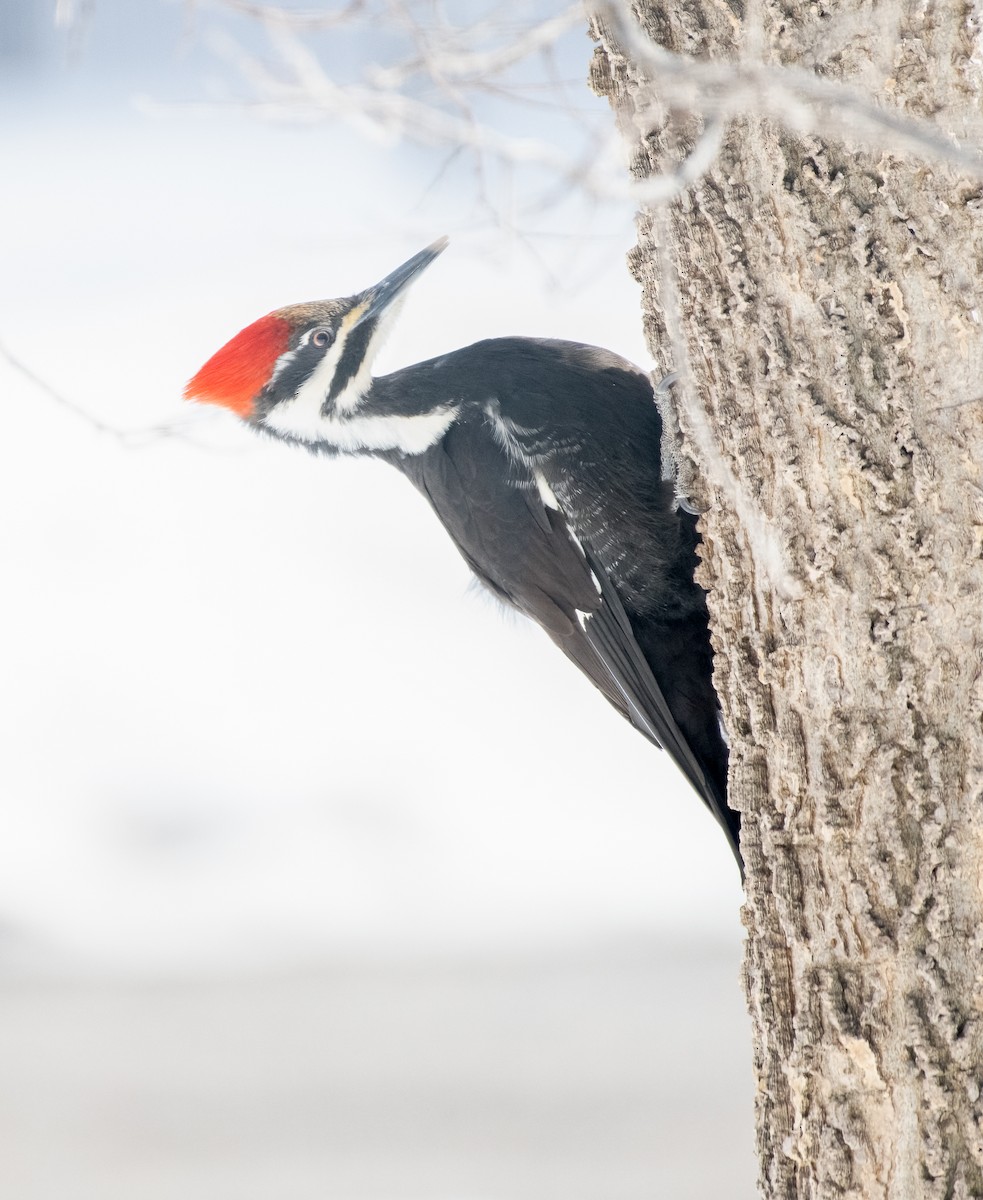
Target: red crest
x=235 y=375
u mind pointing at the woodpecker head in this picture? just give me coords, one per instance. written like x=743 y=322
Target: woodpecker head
x=303 y=371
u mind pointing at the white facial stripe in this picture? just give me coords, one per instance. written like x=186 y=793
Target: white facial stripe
x=314 y=390
x=301 y=416
x=349 y=400
x=282 y=363
x=410 y=435
x=303 y=411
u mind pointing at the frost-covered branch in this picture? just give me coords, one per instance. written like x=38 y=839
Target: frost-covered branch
x=491 y=86
x=454 y=80
x=799 y=99
x=310 y=19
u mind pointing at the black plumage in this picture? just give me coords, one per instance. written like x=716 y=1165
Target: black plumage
x=543 y=461
x=609 y=573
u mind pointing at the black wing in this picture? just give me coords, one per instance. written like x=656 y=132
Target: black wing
x=524 y=552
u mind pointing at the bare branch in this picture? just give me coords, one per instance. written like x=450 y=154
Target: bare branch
x=797 y=98
x=657 y=189
x=273 y=14
x=434 y=95
x=456 y=60
x=129 y=438
x=389 y=115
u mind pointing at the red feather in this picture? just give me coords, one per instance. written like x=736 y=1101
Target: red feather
x=235 y=375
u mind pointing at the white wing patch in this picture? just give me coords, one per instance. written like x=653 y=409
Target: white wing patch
x=548 y=497
x=546 y=493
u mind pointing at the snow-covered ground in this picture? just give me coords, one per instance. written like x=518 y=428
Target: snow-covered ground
x=256 y=726
x=609 y=1072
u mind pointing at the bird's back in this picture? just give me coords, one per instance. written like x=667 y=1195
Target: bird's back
x=551 y=484
x=543 y=460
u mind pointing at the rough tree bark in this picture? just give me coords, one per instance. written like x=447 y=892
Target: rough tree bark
x=823 y=303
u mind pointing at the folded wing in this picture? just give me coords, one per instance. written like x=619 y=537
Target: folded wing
x=525 y=553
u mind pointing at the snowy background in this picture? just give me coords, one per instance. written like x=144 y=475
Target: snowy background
x=319 y=875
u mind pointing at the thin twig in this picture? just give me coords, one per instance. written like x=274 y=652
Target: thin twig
x=957 y=404
x=274 y=14
x=130 y=438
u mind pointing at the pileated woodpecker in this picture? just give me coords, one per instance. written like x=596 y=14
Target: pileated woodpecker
x=543 y=461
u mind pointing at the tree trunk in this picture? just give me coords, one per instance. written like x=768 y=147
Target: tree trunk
x=823 y=304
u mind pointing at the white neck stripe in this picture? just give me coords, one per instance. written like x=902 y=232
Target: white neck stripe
x=357 y=434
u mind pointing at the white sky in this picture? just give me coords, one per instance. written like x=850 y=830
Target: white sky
x=251 y=709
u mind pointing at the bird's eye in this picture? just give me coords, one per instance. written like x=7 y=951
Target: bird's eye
x=322 y=338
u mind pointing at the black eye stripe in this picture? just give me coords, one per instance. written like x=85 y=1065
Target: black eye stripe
x=355 y=349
